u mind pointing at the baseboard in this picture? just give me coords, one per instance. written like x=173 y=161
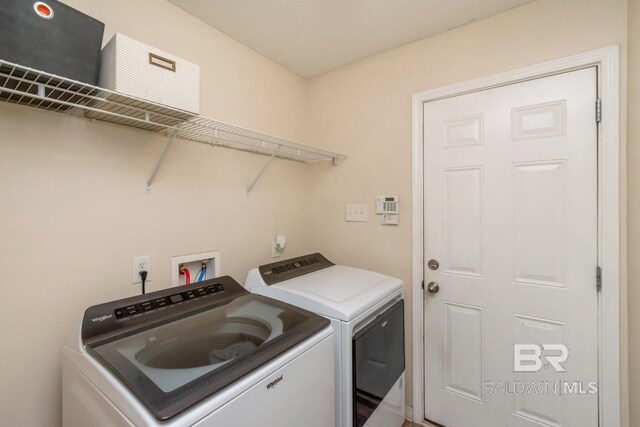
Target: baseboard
x=408 y=413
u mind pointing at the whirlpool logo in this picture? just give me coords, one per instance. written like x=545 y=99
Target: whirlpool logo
x=102 y=318
x=274 y=383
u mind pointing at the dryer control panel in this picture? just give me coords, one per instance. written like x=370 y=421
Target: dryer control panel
x=288 y=269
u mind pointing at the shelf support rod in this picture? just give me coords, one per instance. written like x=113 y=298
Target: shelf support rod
x=264 y=168
x=162 y=157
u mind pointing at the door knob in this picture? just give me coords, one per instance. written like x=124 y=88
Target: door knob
x=433 y=288
x=433 y=264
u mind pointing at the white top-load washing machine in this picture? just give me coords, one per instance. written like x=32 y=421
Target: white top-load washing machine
x=206 y=354
x=366 y=310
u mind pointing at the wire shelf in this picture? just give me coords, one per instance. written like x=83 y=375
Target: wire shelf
x=26 y=86
x=202 y=129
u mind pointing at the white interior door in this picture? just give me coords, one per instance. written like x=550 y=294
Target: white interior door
x=511 y=217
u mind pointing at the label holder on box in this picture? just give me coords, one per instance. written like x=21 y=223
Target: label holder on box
x=161 y=62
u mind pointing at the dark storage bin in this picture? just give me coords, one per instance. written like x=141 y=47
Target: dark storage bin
x=52 y=37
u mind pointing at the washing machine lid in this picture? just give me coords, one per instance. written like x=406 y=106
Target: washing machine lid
x=335 y=291
x=176 y=354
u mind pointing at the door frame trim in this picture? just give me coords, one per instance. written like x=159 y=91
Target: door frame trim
x=607 y=61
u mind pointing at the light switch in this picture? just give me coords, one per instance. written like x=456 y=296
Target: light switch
x=356 y=213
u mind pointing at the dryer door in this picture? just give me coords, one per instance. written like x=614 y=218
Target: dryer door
x=378 y=361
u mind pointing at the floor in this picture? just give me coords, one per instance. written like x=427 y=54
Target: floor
x=410 y=424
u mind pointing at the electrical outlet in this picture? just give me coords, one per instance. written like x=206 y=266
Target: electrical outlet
x=278 y=246
x=274 y=252
x=139 y=264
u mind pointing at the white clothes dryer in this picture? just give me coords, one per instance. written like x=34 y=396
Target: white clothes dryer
x=366 y=310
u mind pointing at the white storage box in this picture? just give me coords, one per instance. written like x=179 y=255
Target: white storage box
x=136 y=69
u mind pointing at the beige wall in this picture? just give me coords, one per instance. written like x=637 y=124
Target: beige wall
x=364 y=110
x=73 y=208
x=74 y=211
x=633 y=156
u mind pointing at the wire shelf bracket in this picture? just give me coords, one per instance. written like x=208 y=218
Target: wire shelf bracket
x=264 y=168
x=172 y=137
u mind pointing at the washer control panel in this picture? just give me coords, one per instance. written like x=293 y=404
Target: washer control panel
x=156 y=303
x=294 y=267
x=111 y=319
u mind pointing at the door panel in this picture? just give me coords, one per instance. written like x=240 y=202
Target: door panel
x=463 y=355
x=511 y=215
x=463 y=221
x=544 y=408
x=538 y=223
